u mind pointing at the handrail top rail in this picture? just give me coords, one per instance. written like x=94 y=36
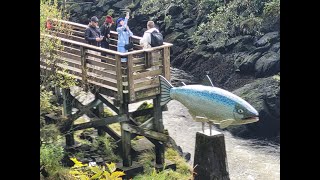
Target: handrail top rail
x=113 y=32
x=107 y=50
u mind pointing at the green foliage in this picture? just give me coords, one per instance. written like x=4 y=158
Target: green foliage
x=182 y=166
x=146 y=159
x=272 y=8
x=168 y=174
x=49 y=11
x=271 y=15
x=236 y=18
x=106 y=145
x=48 y=133
x=158 y=8
x=110 y=12
x=107 y=112
x=144 y=105
x=183 y=172
x=46 y=101
x=50 y=157
x=85 y=172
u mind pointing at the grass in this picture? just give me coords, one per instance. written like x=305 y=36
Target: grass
x=183 y=172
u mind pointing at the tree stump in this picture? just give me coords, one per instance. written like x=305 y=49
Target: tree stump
x=210 y=158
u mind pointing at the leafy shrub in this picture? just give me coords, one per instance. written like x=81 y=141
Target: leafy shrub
x=85 y=172
x=50 y=157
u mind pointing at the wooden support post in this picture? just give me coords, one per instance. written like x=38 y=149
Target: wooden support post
x=58 y=94
x=84 y=69
x=210 y=158
x=158 y=126
x=67 y=110
x=125 y=135
x=166 y=63
x=100 y=110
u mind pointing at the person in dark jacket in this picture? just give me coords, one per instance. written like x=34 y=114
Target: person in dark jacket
x=105 y=32
x=92 y=34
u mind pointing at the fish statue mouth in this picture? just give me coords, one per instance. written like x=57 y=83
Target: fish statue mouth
x=251 y=119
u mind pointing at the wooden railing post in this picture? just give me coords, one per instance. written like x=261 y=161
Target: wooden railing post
x=119 y=79
x=166 y=62
x=84 y=68
x=149 y=61
x=130 y=78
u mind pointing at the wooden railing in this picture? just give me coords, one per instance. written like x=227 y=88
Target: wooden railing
x=138 y=76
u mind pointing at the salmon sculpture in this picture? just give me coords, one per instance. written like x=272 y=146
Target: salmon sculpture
x=209 y=104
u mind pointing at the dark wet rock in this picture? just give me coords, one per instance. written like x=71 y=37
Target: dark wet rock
x=268 y=38
x=275 y=47
x=264 y=95
x=175 y=10
x=246 y=66
x=267 y=65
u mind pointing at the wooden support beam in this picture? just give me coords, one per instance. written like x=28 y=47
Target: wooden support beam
x=148 y=124
x=94 y=123
x=142 y=112
x=111 y=132
x=125 y=136
x=158 y=126
x=108 y=103
x=67 y=110
x=85 y=109
x=146 y=132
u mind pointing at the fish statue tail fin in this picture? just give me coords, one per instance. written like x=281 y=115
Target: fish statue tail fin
x=165 y=87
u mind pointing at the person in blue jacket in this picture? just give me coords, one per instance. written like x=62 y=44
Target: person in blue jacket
x=123 y=35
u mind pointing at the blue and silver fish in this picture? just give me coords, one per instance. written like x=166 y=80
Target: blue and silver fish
x=210 y=104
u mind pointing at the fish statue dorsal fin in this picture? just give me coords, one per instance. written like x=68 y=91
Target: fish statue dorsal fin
x=183 y=83
x=207 y=81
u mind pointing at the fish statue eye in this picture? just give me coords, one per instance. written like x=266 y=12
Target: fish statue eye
x=240 y=111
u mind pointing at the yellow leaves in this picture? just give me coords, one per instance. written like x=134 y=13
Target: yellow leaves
x=111 y=167
x=117 y=174
x=85 y=172
x=77 y=163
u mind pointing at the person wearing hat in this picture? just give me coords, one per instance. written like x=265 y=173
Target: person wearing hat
x=92 y=34
x=105 y=31
x=123 y=35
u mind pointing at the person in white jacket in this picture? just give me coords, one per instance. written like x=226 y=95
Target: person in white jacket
x=146 y=42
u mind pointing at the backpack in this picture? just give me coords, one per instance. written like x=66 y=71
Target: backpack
x=156 y=39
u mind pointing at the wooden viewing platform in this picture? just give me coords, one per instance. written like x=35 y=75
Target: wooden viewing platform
x=136 y=77
x=115 y=84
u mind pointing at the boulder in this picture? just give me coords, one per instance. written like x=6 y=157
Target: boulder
x=268 y=64
x=175 y=10
x=268 y=38
x=264 y=95
x=172 y=37
x=275 y=47
x=246 y=66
